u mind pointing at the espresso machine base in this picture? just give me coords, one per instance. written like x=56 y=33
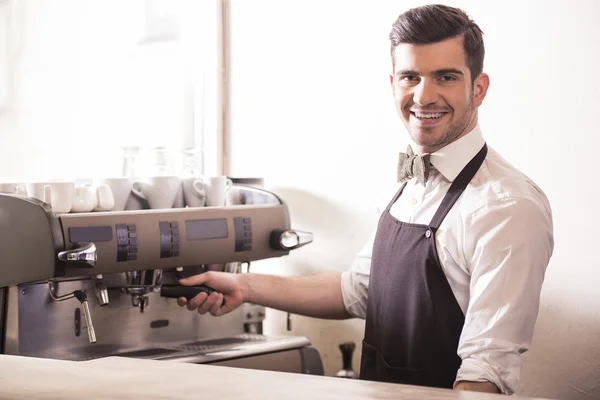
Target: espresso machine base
x=37 y=326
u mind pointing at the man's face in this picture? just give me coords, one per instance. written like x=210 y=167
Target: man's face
x=433 y=92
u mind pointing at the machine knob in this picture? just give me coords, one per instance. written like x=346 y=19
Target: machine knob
x=288 y=239
x=84 y=256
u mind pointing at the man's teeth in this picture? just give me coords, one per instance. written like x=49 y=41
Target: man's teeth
x=428 y=115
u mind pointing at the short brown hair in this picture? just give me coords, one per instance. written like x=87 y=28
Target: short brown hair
x=435 y=23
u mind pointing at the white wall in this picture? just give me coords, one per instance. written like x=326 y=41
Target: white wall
x=312 y=113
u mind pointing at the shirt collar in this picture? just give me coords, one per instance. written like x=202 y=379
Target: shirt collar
x=452 y=158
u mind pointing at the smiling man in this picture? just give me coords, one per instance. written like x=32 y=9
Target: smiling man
x=450 y=281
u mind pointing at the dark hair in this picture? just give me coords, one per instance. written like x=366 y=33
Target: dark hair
x=435 y=23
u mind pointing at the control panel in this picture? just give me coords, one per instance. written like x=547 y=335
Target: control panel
x=151 y=239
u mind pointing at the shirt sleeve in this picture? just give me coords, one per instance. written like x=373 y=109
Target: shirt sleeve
x=507 y=247
x=355 y=281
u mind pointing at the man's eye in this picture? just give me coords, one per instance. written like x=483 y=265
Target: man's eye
x=448 y=78
x=408 y=78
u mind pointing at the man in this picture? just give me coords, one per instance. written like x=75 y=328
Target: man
x=450 y=281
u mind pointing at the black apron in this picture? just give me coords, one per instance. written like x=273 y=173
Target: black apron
x=413 y=321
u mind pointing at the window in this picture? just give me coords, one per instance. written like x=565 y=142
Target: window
x=89 y=77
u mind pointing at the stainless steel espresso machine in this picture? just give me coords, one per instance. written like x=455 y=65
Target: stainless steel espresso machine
x=91 y=285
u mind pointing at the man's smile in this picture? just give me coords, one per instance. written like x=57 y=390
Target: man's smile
x=427 y=118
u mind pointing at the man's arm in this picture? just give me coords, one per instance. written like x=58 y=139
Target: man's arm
x=507 y=247
x=486 y=387
x=318 y=296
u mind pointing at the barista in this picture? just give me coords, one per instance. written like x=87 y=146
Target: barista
x=449 y=283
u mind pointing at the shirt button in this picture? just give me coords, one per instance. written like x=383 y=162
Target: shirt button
x=427 y=233
x=413 y=202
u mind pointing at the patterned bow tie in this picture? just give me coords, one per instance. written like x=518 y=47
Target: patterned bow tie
x=410 y=165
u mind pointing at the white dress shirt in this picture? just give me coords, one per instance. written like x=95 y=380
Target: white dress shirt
x=494 y=246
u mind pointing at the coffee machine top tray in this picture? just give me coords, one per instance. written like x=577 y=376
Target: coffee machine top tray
x=38 y=245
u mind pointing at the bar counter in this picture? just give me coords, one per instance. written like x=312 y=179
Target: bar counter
x=128 y=378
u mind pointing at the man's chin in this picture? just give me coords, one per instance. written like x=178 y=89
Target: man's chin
x=425 y=136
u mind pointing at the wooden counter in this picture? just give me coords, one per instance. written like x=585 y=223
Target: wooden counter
x=127 y=378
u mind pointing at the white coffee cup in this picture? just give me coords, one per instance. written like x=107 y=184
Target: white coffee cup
x=13 y=188
x=84 y=199
x=179 y=198
x=159 y=191
x=120 y=188
x=193 y=192
x=216 y=188
x=105 y=200
x=58 y=195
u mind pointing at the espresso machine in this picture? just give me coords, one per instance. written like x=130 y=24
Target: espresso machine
x=91 y=285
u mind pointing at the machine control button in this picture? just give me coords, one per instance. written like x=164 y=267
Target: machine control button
x=133 y=250
x=132 y=234
x=131 y=227
x=122 y=242
x=169 y=239
x=132 y=257
x=288 y=239
x=133 y=242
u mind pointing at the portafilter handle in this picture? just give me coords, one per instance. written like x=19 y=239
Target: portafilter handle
x=174 y=291
x=85 y=255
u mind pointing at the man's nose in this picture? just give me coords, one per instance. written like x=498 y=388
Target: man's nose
x=425 y=93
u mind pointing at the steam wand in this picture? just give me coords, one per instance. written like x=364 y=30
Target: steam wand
x=82 y=297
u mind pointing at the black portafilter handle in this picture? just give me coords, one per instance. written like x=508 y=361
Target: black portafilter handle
x=189 y=292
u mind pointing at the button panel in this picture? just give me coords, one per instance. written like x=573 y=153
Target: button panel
x=169 y=239
x=243 y=234
x=127 y=242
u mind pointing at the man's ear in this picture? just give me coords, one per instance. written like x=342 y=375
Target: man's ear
x=480 y=88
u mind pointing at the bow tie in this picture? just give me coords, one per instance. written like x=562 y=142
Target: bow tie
x=410 y=165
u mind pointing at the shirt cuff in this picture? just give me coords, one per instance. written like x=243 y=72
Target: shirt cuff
x=476 y=371
x=353 y=301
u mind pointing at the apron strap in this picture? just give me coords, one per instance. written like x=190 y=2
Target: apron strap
x=395 y=197
x=457 y=187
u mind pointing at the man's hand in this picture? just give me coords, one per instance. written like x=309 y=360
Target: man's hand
x=227 y=287
x=486 y=387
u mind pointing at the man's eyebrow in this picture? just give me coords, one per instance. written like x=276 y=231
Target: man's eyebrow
x=439 y=72
x=407 y=72
x=447 y=71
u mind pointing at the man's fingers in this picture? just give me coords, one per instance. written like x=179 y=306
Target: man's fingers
x=197 y=301
x=214 y=310
x=182 y=301
x=209 y=303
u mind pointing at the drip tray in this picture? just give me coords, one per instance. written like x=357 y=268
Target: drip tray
x=147 y=353
x=217 y=349
x=204 y=346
